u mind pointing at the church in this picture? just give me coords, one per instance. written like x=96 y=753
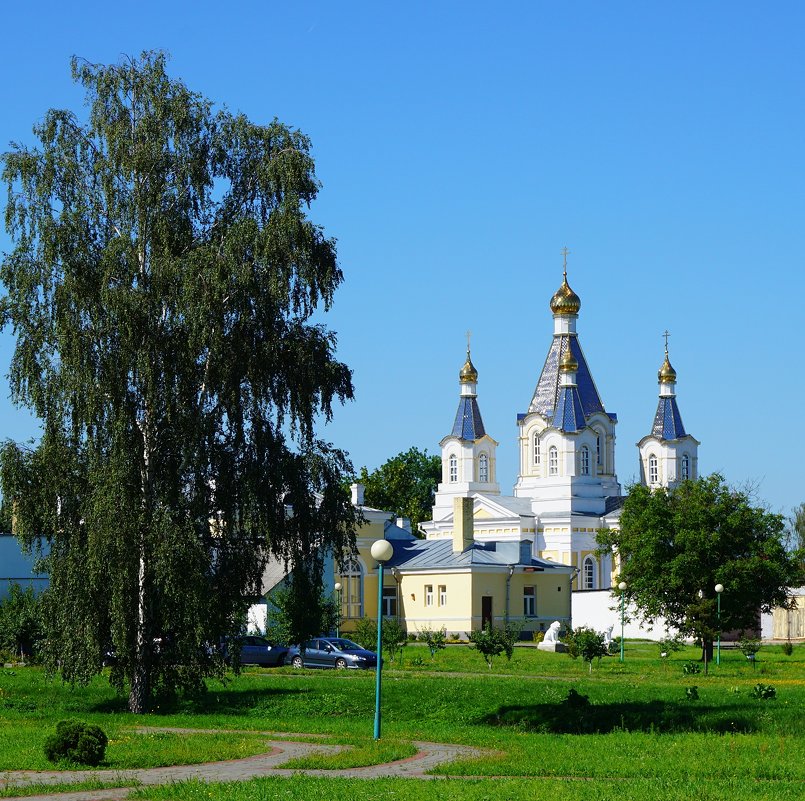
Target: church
x=490 y=557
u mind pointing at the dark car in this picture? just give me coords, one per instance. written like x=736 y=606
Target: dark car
x=255 y=650
x=331 y=652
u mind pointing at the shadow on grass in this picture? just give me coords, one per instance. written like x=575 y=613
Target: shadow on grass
x=250 y=702
x=576 y=715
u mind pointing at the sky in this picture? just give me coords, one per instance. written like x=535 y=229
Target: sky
x=461 y=146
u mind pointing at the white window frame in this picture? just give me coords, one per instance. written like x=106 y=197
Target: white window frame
x=588 y=573
x=389 y=601
x=653 y=470
x=530 y=601
x=684 y=471
x=584 y=461
x=442 y=595
x=483 y=469
x=553 y=461
x=452 y=469
x=537 y=451
x=351 y=589
x=429 y=595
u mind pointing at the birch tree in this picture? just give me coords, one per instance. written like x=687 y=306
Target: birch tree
x=161 y=285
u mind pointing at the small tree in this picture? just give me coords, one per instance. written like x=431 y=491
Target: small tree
x=20 y=621
x=491 y=641
x=586 y=643
x=294 y=618
x=394 y=636
x=435 y=639
x=365 y=633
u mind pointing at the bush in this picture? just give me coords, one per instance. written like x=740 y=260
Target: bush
x=365 y=633
x=492 y=641
x=435 y=639
x=788 y=648
x=692 y=693
x=691 y=668
x=586 y=643
x=763 y=691
x=20 y=622
x=75 y=741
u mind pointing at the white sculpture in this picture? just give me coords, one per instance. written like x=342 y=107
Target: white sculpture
x=551 y=640
x=608 y=635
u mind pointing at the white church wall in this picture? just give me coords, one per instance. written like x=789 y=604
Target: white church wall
x=599 y=609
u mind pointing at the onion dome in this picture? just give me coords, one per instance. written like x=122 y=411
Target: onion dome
x=468 y=374
x=666 y=373
x=568 y=363
x=565 y=300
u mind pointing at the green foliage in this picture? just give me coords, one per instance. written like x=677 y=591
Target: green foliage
x=405 y=485
x=295 y=614
x=435 y=639
x=796 y=530
x=492 y=641
x=691 y=668
x=365 y=633
x=764 y=692
x=75 y=741
x=21 y=622
x=586 y=643
x=788 y=648
x=394 y=637
x=670 y=645
x=749 y=646
x=675 y=544
x=163 y=286
x=692 y=693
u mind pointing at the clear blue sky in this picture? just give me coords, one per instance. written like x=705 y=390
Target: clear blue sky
x=461 y=145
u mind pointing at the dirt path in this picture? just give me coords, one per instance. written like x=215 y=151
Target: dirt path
x=267 y=764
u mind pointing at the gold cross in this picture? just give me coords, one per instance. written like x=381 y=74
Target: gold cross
x=469 y=334
x=565 y=251
x=666 y=335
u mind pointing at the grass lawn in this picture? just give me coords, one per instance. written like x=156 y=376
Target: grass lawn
x=638 y=735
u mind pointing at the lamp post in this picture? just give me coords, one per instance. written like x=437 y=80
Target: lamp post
x=622 y=587
x=719 y=590
x=382 y=551
x=338 y=609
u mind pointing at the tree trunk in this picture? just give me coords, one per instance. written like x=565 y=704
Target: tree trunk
x=707 y=653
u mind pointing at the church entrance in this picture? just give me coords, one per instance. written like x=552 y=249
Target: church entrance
x=486 y=610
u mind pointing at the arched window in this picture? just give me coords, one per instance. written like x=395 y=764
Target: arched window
x=553 y=461
x=599 y=451
x=584 y=461
x=351 y=589
x=537 y=452
x=685 y=472
x=588 y=573
x=452 y=469
x=653 y=471
x=483 y=468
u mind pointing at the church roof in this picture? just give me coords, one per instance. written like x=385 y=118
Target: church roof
x=439 y=554
x=569 y=415
x=668 y=421
x=546 y=395
x=468 y=424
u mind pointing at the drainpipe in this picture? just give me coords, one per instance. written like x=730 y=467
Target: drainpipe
x=508 y=591
x=397 y=578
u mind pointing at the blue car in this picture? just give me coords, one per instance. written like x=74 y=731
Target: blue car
x=255 y=651
x=330 y=652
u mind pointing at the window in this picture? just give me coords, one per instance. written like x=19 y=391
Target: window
x=553 y=462
x=588 y=574
x=530 y=601
x=599 y=450
x=483 y=468
x=537 y=453
x=685 y=467
x=389 y=601
x=429 y=595
x=453 y=469
x=653 y=472
x=584 y=467
x=442 y=595
x=351 y=589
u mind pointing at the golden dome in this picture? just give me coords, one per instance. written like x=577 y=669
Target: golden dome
x=468 y=374
x=565 y=300
x=568 y=363
x=666 y=373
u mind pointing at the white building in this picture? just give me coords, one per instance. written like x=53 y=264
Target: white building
x=567 y=488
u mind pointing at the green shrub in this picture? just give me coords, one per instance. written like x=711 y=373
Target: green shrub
x=691 y=668
x=365 y=633
x=692 y=693
x=788 y=648
x=75 y=741
x=491 y=641
x=435 y=639
x=763 y=691
x=586 y=643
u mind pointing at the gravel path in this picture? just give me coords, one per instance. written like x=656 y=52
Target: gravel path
x=267 y=764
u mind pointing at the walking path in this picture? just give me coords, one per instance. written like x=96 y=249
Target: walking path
x=268 y=764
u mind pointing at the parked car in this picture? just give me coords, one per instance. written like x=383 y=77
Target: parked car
x=331 y=652
x=255 y=650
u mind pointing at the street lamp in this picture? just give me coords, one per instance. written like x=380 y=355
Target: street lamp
x=382 y=551
x=719 y=590
x=622 y=588
x=338 y=609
